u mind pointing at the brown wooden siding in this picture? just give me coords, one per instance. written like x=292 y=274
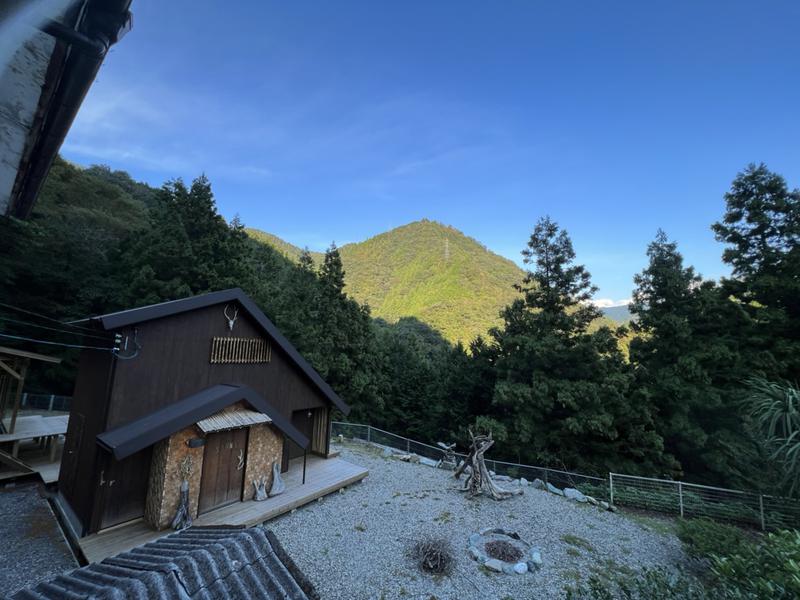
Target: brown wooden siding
x=78 y=477
x=174 y=362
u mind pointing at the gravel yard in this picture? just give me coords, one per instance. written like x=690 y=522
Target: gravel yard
x=33 y=547
x=353 y=544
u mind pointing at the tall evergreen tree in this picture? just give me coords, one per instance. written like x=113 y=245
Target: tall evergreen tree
x=761 y=228
x=561 y=392
x=688 y=365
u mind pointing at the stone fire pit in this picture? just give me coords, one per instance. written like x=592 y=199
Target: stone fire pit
x=503 y=551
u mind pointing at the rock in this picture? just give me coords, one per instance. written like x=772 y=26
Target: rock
x=501 y=478
x=603 y=504
x=523 y=482
x=428 y=461
x=536 y=557
x=278 y=487
x=494 y=565
x=474 y=539
x=387 y=452
x=592 y=500
x=412 y=458
x=492 y=474
x=574 y=494
x=612 y=508
x=520 y=568
x=553 y=489
x=538 y=484
x=341 y=439
x=474 y=553
x=508 y=569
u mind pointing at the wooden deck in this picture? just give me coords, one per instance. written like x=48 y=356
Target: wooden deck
x=323 y=476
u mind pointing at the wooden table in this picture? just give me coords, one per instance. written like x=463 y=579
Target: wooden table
x=34 y=427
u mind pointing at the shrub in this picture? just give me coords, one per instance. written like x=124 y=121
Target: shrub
x=650 y=584
x=433 y=555
x=769 y=569
x=704 y=537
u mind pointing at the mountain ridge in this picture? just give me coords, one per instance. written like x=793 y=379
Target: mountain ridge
x=424 y=269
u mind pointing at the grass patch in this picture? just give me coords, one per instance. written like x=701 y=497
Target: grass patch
x=577 y=542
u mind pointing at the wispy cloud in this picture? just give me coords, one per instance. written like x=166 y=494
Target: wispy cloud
x=609 y=303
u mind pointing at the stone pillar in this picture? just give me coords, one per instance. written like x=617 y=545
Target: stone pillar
x=264 y=445
x=164 y=489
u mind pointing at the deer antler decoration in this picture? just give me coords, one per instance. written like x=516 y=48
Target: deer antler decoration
x=231 y=320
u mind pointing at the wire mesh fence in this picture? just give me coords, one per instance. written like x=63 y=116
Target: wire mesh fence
x=693 y=500
x=659 y=495
x=594 y=486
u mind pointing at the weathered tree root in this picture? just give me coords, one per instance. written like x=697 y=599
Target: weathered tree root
x=478 y=480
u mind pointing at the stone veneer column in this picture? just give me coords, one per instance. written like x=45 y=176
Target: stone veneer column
x=164 y=488
x=264 y=445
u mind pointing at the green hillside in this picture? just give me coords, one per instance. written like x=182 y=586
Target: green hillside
x=288 y=250
x=425 y=270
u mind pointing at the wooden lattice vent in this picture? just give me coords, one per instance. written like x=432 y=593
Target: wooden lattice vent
x=236 y=350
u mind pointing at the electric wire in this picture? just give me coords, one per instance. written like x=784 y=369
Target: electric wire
x=46 y=318
x=29 y=324
x=49 y=343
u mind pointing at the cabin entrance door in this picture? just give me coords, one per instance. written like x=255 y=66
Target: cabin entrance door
x=224 y=461
x=123 y=488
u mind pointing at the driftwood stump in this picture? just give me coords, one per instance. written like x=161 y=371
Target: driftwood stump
x=478 y=479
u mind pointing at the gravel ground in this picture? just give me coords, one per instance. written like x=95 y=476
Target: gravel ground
x=353 y=544
x=33 y=547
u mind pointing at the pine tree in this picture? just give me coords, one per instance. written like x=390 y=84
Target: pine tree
x=561 y=392
x=761 y=229
x=688 y=365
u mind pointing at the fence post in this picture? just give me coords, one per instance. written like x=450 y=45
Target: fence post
x=680 y=496
x=52 y=397
x=24 y=401
x=408 y=446
x=369 y=433
x=761 y=509
x=611 y=488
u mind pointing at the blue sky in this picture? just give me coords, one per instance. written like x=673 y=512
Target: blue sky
x=339 y=120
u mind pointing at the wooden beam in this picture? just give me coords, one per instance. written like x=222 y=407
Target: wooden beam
x=9 y=370
x=18 y=396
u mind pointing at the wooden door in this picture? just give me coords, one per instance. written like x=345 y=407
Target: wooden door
x=123 y=486
x=303 y=420
x=224 y=461
x=69 y=455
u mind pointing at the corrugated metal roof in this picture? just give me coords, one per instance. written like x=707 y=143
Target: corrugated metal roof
x=200 y=562
x=232 y=419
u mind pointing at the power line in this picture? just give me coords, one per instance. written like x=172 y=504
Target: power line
x=27 y=339
x=46 y=318
x=29 y=324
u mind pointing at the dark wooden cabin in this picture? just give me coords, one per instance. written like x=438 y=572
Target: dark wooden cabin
x=204 y=389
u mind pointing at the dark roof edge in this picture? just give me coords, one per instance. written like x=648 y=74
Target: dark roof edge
x=125 y=440
x=132 y=316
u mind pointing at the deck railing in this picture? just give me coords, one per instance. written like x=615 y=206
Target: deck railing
x=762 y=511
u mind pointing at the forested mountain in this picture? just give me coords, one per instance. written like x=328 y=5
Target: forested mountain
x=550 y=379
x=426 y=270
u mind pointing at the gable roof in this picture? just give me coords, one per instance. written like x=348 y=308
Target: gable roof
x=133 y=316
x=199 y=562
x=128 y=439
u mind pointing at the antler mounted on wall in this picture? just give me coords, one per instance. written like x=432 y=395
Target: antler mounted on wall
x=231 y=319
